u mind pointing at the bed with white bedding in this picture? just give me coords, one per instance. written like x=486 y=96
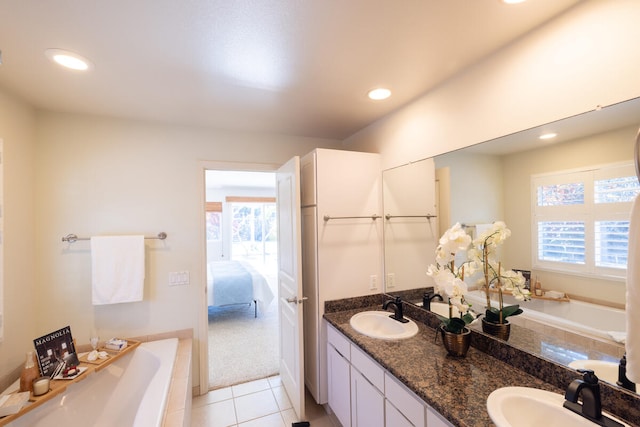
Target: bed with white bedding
x=236 y=282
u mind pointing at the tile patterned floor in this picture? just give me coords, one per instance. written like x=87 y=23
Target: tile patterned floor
x=261 y=403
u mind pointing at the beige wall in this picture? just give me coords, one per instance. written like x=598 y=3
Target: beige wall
x=569 y=66
x=20 y=289
x=475 y=185
x=105 y=176
x=609 y=147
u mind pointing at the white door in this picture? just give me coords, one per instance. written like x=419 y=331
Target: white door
x=290 y=283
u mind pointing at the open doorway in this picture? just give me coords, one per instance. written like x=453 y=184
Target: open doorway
x=241 y=255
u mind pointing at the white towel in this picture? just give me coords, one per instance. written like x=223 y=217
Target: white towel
x=117 y=264
x=632 y=344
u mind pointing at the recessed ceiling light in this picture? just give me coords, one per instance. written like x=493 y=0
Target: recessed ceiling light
x=513 y=1
x=68 y=59
x=549 y=135
x=379 y=94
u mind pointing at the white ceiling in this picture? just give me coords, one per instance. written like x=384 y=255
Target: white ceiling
x=297 y=67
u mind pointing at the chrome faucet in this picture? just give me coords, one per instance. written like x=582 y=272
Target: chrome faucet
x=589 y=390
x=428 y=297
x=397 y=315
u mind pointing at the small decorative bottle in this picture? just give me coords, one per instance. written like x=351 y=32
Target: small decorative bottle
x=538 y=288
x=29 y=373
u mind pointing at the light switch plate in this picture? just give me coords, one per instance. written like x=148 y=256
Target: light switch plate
x=178 y=278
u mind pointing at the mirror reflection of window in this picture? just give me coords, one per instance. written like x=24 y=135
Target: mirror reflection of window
x=582 y=219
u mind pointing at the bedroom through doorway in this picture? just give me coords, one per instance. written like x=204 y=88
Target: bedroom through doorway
x=241 y=253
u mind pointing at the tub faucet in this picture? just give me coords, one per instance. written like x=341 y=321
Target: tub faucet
x=623 y=381
x=397 y=315
x=428 y=297
x=591 y=408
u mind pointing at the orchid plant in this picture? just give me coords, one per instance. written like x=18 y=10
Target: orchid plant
x=449 y=280
x=483 y=258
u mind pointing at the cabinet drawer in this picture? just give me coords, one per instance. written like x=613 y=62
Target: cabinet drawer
x=338 y=341
x=434 y=419
x=367 y=402
x=393 y=417
x=410 y=405
x=368 y=367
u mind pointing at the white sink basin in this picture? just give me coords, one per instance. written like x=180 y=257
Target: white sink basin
x=606 y=371
x=531 y=407
x=378 y=324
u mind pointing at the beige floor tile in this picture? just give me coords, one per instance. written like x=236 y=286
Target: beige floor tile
x=262 y=403
x=213 y=396
x=255 y=405
x=273 y=420
x=219 y=414
x=250 y=387
x=281 y=398
x=289 y=417
x=275 y=381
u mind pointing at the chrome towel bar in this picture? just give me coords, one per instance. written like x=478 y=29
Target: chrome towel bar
x=71 y=238
x=427 y=216
x=329 y=217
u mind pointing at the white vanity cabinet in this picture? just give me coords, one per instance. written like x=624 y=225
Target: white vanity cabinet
x=339 y=376
x=363 y=394
x=367 y=402
x=406 y=403
x=434 y=419
x=367 y=390
x=341 y=257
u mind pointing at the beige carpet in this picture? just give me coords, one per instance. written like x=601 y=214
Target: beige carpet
x=242 y=348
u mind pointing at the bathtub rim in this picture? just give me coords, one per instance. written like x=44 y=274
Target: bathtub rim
x=478 y=297
x=146 y=402
x=160 y=384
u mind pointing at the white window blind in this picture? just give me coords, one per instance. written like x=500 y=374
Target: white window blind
x=581 y=219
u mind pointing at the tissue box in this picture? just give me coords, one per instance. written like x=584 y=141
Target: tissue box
x=115 y=344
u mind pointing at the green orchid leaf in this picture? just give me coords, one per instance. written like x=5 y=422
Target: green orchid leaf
x=454 y=325
x=511 y=310
x=468 y=318
x=492 y=315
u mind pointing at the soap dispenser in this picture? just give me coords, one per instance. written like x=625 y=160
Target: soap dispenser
x=29 y=373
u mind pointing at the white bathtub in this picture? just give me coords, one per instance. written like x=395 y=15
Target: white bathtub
x=132 y=391
x=576 y=316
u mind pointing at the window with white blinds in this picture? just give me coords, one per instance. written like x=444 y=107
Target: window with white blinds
x=581 y=219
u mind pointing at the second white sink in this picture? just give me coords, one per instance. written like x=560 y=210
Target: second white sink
x=531 y=407
x=378 y=324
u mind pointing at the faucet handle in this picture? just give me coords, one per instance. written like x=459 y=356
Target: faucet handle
x=588 y=376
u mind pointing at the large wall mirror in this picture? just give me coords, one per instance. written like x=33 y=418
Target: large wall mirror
x=493 y=181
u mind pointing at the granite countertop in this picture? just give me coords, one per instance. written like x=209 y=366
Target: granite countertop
x=457 y=388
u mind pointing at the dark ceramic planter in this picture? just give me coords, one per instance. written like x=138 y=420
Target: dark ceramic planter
x=457 y=345
x=498 y=330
